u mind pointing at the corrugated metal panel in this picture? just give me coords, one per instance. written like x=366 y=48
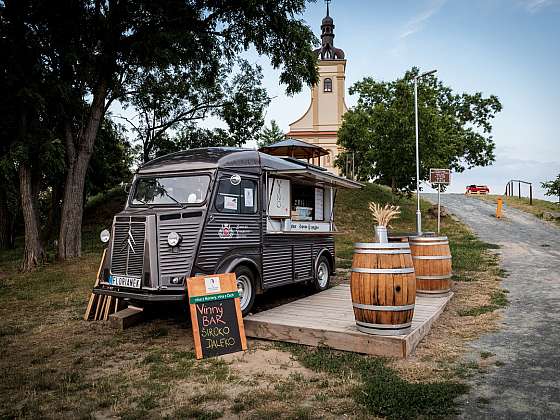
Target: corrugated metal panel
x=303 y=258
x=277 y=265
x=228 y=233
x=178 y=260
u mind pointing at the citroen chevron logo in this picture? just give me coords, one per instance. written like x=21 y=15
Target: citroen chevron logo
x=129 y=242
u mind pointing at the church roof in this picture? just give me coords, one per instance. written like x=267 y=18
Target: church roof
x=328 y=50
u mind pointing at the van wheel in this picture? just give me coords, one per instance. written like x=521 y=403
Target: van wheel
x=322 y=275
x=246 y=287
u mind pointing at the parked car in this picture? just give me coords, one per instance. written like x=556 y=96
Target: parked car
x=477 y=189
x=267 y=219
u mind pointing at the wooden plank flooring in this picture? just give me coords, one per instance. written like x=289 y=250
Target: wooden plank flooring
x=327 y=319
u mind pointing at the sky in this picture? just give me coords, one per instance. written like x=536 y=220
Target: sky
x=509 y=48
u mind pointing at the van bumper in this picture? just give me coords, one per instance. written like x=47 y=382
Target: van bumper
x=142 y=296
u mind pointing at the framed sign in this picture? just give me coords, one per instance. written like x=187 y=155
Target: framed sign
x=440 y=176
x=279 y=197
x=216 y=317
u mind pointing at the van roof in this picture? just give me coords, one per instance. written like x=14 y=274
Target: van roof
x=238 y=158
x=217 y=157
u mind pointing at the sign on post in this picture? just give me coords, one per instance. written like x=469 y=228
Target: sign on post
x=216 y=317
x=439 y=177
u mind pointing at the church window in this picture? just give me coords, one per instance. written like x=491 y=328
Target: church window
x=327 y=85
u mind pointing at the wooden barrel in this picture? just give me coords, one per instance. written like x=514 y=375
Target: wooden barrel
x=432 y=263
x=383 y=288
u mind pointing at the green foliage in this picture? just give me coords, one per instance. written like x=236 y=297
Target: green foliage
x=552 y=187
x=171 y=103
x=111 y=160
x=270 y=135
x=454 y=129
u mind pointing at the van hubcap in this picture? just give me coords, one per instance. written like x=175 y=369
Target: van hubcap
x=245 y=289
x=322 y=275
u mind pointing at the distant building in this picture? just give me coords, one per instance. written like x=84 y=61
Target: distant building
x=320 y=123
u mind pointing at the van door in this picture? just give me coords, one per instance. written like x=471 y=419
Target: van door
x=233 y=226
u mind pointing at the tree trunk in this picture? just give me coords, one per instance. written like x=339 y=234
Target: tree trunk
x=34 y=253
x=53 y=217
x=79 y=149
x=70 y=237
x=7 y=222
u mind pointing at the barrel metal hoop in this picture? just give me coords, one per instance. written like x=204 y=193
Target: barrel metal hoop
x=428 y=243
x=433 y=292
x=447 y=276
x=384 y=326
x=428 y=239
x=383 y=308
x=379 y=245
x=382 y=251
x=431 y=257
x=384 y=270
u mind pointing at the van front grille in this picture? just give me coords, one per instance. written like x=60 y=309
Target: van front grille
x=128 y=248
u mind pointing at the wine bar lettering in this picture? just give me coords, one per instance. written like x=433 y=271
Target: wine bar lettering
x=217 y=323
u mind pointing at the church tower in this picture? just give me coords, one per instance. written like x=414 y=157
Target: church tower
x=320 y=123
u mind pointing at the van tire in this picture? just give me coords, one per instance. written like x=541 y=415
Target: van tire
x=322 y=278
x=246 y=283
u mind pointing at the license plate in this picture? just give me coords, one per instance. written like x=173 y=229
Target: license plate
x=125 y=281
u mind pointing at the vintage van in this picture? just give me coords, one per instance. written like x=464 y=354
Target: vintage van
x=218 y=210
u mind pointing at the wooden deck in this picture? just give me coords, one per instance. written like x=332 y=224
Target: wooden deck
x=327 y=319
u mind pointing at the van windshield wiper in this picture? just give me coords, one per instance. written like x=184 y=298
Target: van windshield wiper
x=173 y=198
x=149 y=206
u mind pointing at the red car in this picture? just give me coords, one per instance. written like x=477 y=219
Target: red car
x=477 y=189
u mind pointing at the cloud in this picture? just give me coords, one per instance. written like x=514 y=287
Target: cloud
x=417 y=22
x=534 y=6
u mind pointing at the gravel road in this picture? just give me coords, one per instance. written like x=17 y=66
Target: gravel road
x=527 y=385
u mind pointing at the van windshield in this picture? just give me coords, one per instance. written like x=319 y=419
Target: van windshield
x=169 y=190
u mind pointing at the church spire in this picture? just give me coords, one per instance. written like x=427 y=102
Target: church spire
x=327 y=50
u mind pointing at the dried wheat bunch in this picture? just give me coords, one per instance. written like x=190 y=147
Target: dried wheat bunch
x=383 y=215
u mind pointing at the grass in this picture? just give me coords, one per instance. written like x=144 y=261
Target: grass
x=498 y=300
x=537 y=209
x=381 y=390
x=57 y=365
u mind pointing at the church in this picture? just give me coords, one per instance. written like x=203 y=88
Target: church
x=319 y=125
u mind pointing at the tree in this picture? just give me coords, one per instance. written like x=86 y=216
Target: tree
x=270 y=135
x=166 y=101
x=552 y=187
x=91 y=51
x=455 y=130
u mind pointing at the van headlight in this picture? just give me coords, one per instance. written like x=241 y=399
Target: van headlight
x=174 y=239
x=104 y=236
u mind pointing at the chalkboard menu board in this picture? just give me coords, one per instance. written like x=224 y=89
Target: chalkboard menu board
x=216 y=315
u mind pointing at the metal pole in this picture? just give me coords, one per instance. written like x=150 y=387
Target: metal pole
x=519 y=189
x=418 y=214
x=530 y=194
x=438 y=206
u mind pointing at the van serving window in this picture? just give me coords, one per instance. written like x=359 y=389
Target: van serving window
x=237 y=198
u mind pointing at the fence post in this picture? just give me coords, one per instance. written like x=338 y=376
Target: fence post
x=530 y=194
x=519 y=189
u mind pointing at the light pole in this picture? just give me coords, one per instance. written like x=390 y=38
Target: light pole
x=418 y=214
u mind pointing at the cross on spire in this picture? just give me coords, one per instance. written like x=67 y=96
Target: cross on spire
x=327 y=2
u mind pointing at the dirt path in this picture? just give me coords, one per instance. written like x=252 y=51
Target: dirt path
x=527 y=384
